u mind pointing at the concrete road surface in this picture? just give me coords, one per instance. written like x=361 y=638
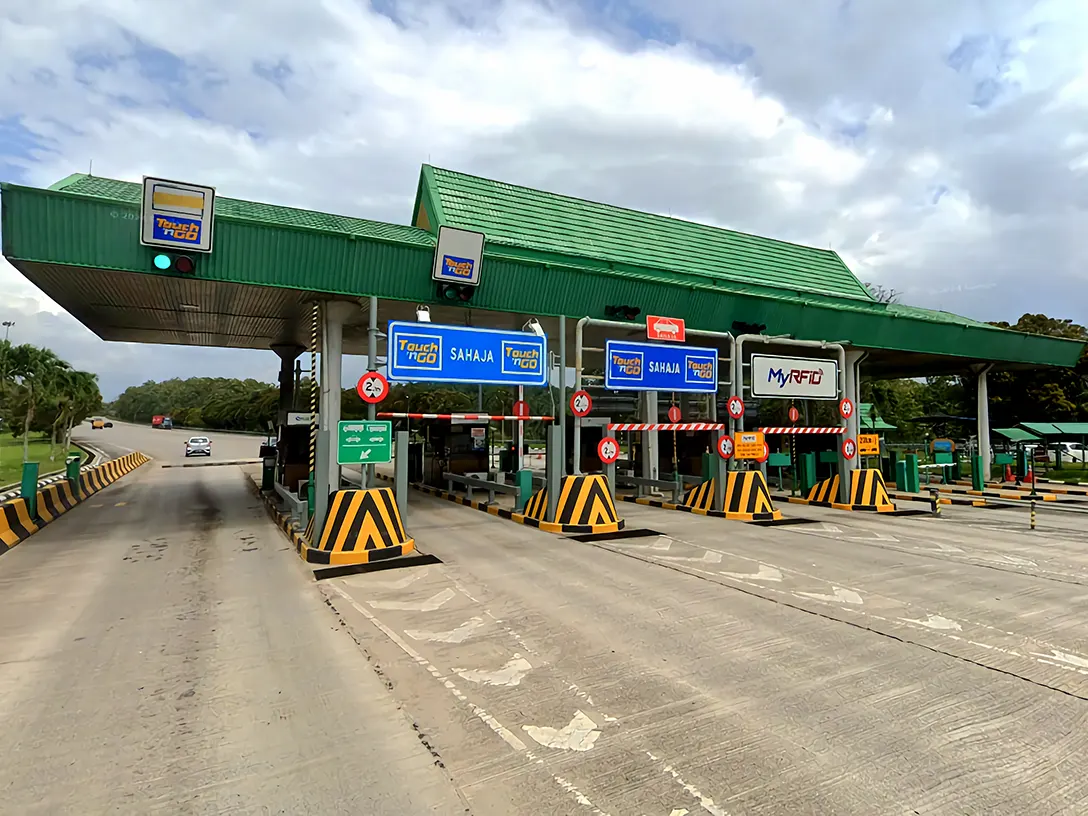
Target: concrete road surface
x=163 y=651
x=855 y=665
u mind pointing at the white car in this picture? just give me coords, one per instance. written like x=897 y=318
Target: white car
x=198 y=446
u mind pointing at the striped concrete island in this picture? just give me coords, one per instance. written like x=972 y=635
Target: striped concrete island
x=54 y=500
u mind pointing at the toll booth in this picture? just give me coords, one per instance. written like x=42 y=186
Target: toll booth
x=453 y=447
x=594 y=429
x=293 y=455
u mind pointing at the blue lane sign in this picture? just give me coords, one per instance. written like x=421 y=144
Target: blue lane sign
x=425 y=352
x=650 y=367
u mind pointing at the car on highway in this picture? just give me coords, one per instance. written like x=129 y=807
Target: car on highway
x=198 y=446
x=107 y=425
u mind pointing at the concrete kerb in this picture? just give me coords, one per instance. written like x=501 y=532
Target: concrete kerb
x=56 y=499
x=510 y=515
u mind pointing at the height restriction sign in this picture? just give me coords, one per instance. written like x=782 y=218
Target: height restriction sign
x=735 y=407
x=608 y=449
x=372 y=387
x=580 y=403
x=846 y=407
x=725 y=447
x=849 y=448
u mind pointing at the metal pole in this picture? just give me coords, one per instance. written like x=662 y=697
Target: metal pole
x=521 y=433
x=576 y=454
x=983 y=428
x=315 y=323
x=372 y=365
x=1033 y=514
x=562 y=394
x=400 y=474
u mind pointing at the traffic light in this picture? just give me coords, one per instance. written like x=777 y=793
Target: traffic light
x=455 y=292
x=172 y=262
x=622 y=312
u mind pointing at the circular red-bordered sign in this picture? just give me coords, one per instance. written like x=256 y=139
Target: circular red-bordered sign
x=520 y=409
x=794 y=413
x=846 y=408
x=725 y=447
x=735 y=407
x=849 y=448
x=580 y=403
x=372 y=387
x=608 y=449
x=674 y=414
x=766 y=453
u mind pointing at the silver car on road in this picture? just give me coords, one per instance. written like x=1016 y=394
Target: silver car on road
x=198 y=446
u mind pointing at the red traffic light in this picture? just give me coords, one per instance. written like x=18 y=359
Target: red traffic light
x=184 y=264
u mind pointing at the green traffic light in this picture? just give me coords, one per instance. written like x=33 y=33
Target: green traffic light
x=162 y=261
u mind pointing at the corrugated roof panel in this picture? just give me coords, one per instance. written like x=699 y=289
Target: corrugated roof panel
x=548 y=222
x=1016 y=434
x=273 y=214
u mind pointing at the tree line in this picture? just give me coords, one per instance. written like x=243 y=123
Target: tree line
x=42 y=394
x=1015 y=396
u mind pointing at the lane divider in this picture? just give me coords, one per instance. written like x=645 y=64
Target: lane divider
x=584 y=506
x=747 y=499
x=56 y=499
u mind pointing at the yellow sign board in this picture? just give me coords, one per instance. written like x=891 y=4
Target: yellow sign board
x=749 y=445
x=868 y=444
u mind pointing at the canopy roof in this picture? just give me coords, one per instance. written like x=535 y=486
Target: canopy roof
x=1054 y=430
x=867 y=421
x=546 y=255
x=1016 y=434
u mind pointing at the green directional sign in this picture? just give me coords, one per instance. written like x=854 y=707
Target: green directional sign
x=364 y=442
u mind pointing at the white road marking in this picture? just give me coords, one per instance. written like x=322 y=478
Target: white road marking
x=577 y=735
x=662 y=544
x=830 y=528
x=360 y=581
x=1065 y=657
x=841 y=596
x=766 y=573
x=680 y=812
x=458 y=635
x=935 y=622
x=705 y=802
x=875 y=537
x=709 y=557
x=430 y=605
x=509 y=675
x=508 y=736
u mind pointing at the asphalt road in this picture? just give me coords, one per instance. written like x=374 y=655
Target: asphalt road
x=163 y=651
x=169 y=446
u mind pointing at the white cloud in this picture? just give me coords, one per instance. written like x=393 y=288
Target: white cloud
x=839 y=129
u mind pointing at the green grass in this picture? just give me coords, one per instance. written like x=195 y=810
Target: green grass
x=11 y=458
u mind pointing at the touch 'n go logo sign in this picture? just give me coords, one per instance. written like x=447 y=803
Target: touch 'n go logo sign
x=804 y=378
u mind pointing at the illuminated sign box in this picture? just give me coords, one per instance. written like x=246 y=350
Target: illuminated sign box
x=177 y=215
x=797 y=377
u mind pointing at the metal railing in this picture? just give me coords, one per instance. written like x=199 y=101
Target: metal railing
x=471 y=483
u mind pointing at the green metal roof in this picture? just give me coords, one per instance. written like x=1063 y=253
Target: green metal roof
x=1016 y=434
x=865 y=417
x=546 y=255
x=550 y=224
x=254 y=212
x=1063 y=429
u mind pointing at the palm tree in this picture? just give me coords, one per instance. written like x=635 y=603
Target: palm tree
x=34 y=370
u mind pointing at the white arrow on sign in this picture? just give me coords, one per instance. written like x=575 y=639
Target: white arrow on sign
x=365 y=453
x=578 y=735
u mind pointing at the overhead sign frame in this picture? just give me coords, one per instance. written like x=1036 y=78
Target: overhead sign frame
x=177 y=215
x=432 y=352
x=458 y=256
x=812 y=378
x=630 y=366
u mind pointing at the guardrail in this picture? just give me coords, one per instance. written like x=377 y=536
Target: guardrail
x=638 y=482
x=471 y=483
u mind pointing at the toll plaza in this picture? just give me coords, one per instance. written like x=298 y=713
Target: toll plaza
x=498 y=284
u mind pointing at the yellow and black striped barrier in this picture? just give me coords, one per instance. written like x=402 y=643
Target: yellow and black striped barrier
x=363 y=526
x=584 y=500
x=746 y=499
x=55 y=500
x=868 y=492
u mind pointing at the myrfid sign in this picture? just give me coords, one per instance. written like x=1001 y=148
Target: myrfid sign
x=426 y=352
x=799 y=377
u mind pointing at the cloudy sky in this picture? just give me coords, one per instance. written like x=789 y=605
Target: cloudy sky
x=940 y=147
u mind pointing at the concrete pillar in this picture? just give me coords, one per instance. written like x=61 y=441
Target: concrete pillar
x=650 y=469
x=562 y=408
x=327 y=477
x=984 y=420
x=368 y=471
x=853 y=391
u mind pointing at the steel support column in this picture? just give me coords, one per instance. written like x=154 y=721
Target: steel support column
x=983 y=415
x=332 y=348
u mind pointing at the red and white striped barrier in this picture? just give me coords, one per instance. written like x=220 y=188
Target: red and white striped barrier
x=472 y=417
x=666 y=426
x=770 y=431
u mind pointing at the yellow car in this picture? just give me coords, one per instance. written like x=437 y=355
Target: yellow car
x=97 y=425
